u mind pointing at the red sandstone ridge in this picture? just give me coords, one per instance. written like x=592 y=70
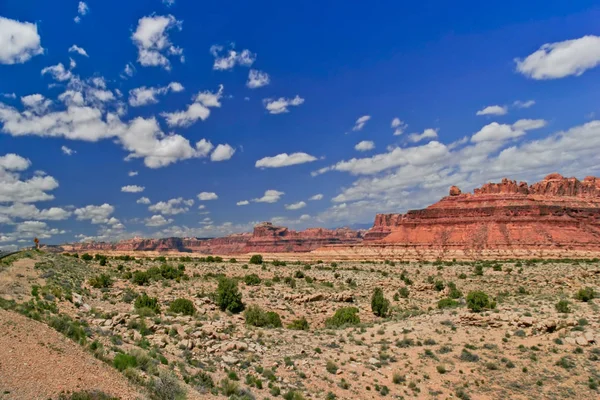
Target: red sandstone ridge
x=555 y=213
x=266 y=238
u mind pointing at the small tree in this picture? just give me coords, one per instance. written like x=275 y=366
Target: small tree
x=182 y=306
x=379 y=304
x=256 y=259
x=87 y=257
x=144 y=301
x=228 y=296
x=478 y=300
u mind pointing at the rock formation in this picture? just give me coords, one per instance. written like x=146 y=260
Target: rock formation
x=556 y=214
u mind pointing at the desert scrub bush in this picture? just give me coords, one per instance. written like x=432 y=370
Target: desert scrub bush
x=585 y=294
x=123 y=361
x=379 y=304
x=439 y=286
x=331 y=367
x=252 y=280
x=166 y=387
x=256 y=259
x=100 y=281
x=74 y=330
x=87 y=257
x=478 y=301
x=140 y=278
x=228 y=296
x=466 y=355
x=563 y=306
x=182 y=306
x=202 y=382
x=447 y=303
x=293 y=395
x=144 y=301
x=255 y=316
x=299 y=324
x=343 y=316
x=454 y=293
x=86 y=395
x=404 y=292
x=290 y=281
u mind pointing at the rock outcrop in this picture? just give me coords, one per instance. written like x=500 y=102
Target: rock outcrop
x=556 y=213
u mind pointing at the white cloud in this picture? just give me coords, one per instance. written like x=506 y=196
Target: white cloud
x=205 y=196
x=399 y=126
x=14 y=162
x=360 y=123
x=13 y=189
x=427 y=134
x=153 y=43
x=200 y=109
x=19 y=41
x=284 y=160
x=58 y=72
x=493 y=110
x=157 y=220
x=143 y=200
x=295 y=206
x=82 y=8
x=172 y=207
x=67 y=150
x=168 y=3
x=281 y=105
x=132 y=189
x=524 y=104
x=9 y=95
x=36 y=103
x=365 y=145
x=29 y=211
x=316 y=197
x=242 y=203
x=228 y=59
x=128 y=71
x=270 y=196
x=222 y=152
x=147 y=95
x=257 y=79
x=502 y=132
x=78 y=50
x=561 y=59
x=132 y=173
x=96 y=214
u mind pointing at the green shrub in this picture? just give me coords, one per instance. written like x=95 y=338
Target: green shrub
x=299 y=324
x=343 y=316
x=585 y=294
x=293 y=395
x=228 y=296
x=71 y=329
x=478 y=300
x=439 y=286
x=86 y=257
x=447 y=303
x=167 y=387
x=100 y=281
x=144 y=301
x=140 y=278
x=256 y=259
x=123 y=361
x=182 y=306
x=331 y=367
x=255 y=316
x=202 y=381
x=86 y=395
x=563 y=306
x=252 y=280
x=379 y=304
x=454 y=293
x=404 y=292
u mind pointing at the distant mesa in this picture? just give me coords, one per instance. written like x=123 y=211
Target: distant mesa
x=555 y=218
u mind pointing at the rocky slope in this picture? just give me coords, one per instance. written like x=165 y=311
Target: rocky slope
x=556 y=213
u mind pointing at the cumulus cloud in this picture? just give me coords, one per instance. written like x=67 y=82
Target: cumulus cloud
x=128 y=71
x=227 y=59
x=523 y=104
x=58 y=72
x=132 y=189
x=242 y=203
x=399 y=126
x=284 y=160
x=96 y=214
x=561 y=59
x=257 y=79
x=19 y=41
x=172 y=207
x=280 y=106
x=295 y=206
x=78 y=50
x=14 y=189
x=316 y=197
x=493 y=110
x=157 y=220
x=365 y=145
x=200 y=109
x=270 y=196
x=427 y=134
x=147 y=95
x=67 y=150
x=132 y=173
x=29 y=211
x=502 y=132
x=151 y=38
x=222 y=152
x=143 y=200
x=360 y=123
x=206 y=196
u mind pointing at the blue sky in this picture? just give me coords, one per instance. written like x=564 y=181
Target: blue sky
x=314 y=114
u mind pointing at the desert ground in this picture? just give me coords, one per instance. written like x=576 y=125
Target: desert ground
x=175 y=327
